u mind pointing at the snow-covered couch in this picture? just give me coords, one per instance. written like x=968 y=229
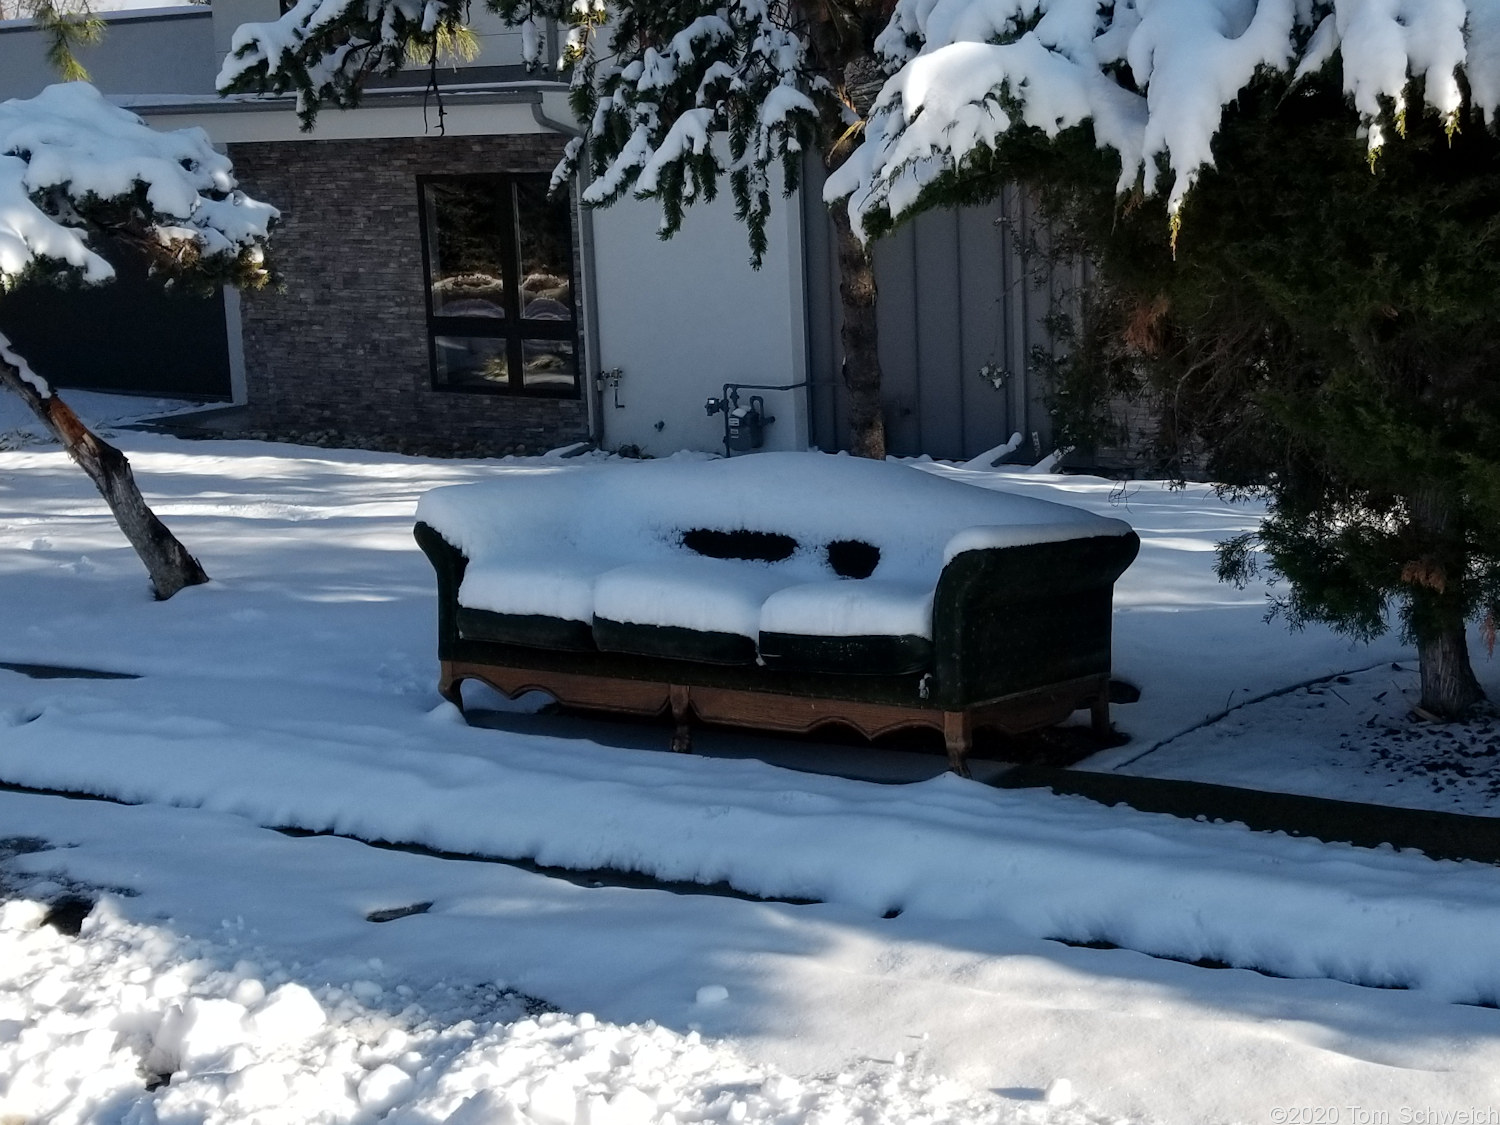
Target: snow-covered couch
x=780 y=590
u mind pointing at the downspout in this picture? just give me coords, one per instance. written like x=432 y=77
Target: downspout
x=592 y=388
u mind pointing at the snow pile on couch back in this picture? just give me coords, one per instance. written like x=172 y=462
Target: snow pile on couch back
x=587 y=542
x=640 y=515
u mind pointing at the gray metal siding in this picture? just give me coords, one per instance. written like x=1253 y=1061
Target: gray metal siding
x=957 y=292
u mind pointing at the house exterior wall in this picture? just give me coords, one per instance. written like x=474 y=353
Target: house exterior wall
x=151 y=51
x=680 y=318
x=963 y=305
x=343 y=345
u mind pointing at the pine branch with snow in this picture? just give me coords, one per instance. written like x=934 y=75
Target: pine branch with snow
x=1151 y=78
x=1324 y=324
x=73 y=168
x=650 y=83
x=324 y=50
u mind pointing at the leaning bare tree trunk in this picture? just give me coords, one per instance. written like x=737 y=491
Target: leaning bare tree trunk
x=859 y=337
x=1449 y=687
x=167 y=560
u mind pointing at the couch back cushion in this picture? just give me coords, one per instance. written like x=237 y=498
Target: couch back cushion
x=810 y=516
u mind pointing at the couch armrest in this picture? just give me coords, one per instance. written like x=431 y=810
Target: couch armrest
x=1008 y=619
x=449 y=563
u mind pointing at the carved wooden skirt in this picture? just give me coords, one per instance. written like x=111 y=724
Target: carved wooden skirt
x=777 y=711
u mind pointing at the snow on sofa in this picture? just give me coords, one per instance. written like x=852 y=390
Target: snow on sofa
x=779 y=591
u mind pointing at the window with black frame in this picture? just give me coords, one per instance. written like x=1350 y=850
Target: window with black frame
x=499 y=259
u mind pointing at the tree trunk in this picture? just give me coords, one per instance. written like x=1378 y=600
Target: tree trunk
x=839 y=47
x=167 y=560
x=1449 y=688
x=859 y=337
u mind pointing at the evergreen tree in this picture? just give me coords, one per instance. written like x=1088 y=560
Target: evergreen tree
x=1312 y=296
x=73 y=170
x=652 y=83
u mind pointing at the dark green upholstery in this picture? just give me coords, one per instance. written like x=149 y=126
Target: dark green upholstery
x=674 y=642
x=532 y=629
x=1008 y=619
x=851 y=656
x=1005 y=621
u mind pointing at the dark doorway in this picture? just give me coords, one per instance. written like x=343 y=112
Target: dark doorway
x=132 y=335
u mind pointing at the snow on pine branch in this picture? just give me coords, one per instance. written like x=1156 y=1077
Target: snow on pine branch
x=69 y=161
x=1152 y=76
x=734 y=68
x=650 y=82
x=324 y=49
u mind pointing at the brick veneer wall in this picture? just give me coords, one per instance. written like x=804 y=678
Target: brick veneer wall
x=343 y=345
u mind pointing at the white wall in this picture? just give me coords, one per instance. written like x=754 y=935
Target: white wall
x=682 y=317
x=234 y=123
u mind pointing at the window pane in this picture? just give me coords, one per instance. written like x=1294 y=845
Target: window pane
x=544 y=237
x=548 y=364
x=471 y=361
x=465 y=242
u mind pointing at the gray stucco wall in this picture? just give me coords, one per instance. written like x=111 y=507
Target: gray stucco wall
x=159 y=51
x=343 y=345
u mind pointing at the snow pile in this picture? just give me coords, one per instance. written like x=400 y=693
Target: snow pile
x=131 y=1023
x=608 y=539
x=1349 y=737
x=1152 y=77
x=941 y=849
x=67 y=150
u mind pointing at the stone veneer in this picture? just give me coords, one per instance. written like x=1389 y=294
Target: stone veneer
x=342 y=345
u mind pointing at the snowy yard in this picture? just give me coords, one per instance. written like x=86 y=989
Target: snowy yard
x=232 y=972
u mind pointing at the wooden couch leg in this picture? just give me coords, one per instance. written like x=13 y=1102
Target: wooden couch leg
x=682 y=737
x=1099 y=713
x=449 y=686
x=958 y=733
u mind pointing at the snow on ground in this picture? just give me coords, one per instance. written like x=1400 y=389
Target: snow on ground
x=297 y=690
x=1351 y=738
x=128 y=1005
x=19 y=427
x=812 y=991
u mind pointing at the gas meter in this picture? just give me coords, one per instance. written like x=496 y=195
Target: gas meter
x=745 y=427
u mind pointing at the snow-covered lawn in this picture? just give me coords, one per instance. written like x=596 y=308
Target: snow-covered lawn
x=930 y=982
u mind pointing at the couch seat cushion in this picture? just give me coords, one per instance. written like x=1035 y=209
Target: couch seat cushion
x=561 y=587
x=869 y=626
x=535 y=630
x=690 y=592
x=540 y=602
x=850 y=656
x=846 y=607
x=687 y=608
x=702 y=646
